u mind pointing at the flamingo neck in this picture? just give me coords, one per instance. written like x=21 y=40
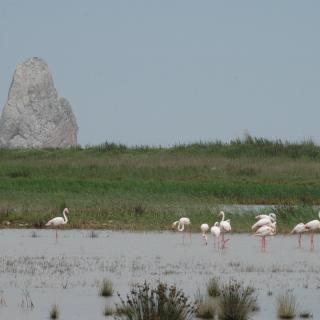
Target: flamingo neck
x=222 y=219
x=64 y=216
x=181 y=226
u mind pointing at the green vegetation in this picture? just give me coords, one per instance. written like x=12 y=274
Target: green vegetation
x=54 y=312
x=213 y=287
x=286 y=306
x=106 y=289
x=108 y=311
x=114 y=186
x=236 y=301
x=161 y=302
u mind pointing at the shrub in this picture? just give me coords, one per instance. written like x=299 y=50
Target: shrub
x=236 y=301
x=161 y=302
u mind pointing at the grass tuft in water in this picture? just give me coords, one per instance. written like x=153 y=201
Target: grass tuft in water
x=108 y=311
x=162 y=302
x=213 y=287
x=106 y=289
x=286 y=306
x=236 y=301
x=305 y=315
x=93 y=234
x=54 y=312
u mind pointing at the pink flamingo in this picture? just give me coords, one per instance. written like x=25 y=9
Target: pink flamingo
x=204 y=229
x=266 y=231
x=58 y=221
x=312 y=226
x=299 y=229
x=181 y=225
x=215 y=231
x=225 y=226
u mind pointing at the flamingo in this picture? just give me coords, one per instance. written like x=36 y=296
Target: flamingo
x=312 y=226
x=299 y=229
x=215 y=231
x=204 y=229
x=265 y=231
x=225 y=227
x=265 y=220
x=58 y=221
x=181 y=223
x=270 y=215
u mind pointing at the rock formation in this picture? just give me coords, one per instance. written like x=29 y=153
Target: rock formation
x=34 y=115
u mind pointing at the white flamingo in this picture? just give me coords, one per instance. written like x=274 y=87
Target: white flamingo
x=181 y=225
x=299 y=229
x=265 y=220
x=225 y=226
x=266 y=231
x=270 y=215
x=312 y=226
x=215 y=231
x=204 y=229
x=58 y=221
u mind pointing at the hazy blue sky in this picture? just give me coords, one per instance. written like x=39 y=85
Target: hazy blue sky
x=161 y=72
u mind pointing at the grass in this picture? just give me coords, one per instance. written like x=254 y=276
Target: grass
x=115 y=186
x=213 y=287
x=205 y=310
x=204 y=307
x=145 y=302
x=305 y=315
x=236 y=301
x=54 y=312
x=106 y=288
x=108 y=311
x=286 y=306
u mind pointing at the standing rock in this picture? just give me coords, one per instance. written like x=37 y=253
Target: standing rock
x=34 y=115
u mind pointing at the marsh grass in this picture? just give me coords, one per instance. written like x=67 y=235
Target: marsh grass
x=213 y=287
x=204 y=307
x=54 y=312
x=305 y=315
x=93 y=234
x=115 y=186
x=108 y=311
x=106 y=288
x=162 y=302
x=236 y=301
x=34 y=234
x=286 y=306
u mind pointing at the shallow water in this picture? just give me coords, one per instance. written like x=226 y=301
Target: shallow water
x=68 y=272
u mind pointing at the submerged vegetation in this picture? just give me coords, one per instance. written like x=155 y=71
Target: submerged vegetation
x=115 y=186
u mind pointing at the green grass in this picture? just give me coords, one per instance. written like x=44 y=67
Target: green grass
x=106 y=288
x=116 y=186
x=286 y=306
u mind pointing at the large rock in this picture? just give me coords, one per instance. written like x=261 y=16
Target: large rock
x=34 y=115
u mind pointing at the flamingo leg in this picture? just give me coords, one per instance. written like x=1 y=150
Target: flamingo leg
x=190 y=233
x=312 y=241
x=222 y=240
x=300 y=240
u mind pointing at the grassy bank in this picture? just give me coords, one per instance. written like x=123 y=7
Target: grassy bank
x=115 y=186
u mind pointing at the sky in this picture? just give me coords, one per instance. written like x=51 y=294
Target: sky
x=165 y=72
